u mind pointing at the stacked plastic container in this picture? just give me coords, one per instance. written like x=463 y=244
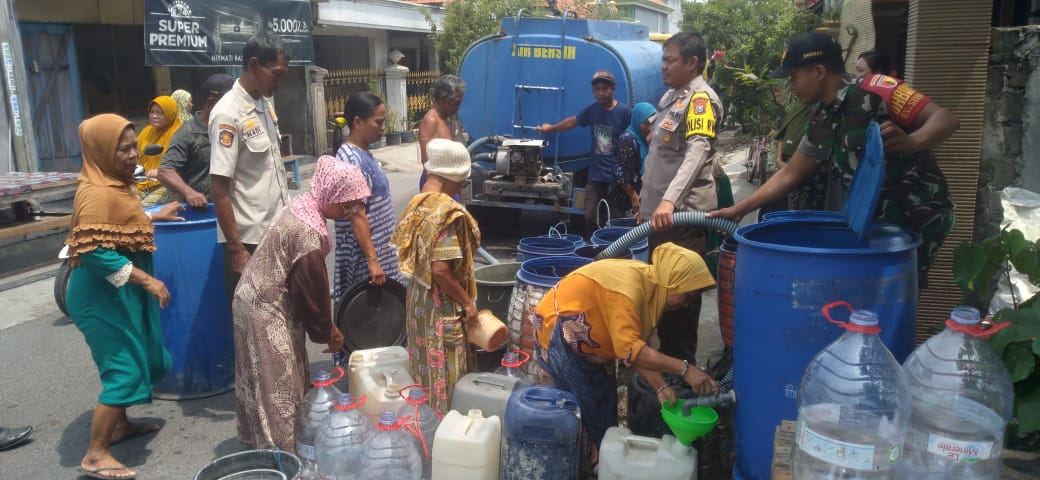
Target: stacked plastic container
x=962 y=401
x=316 y=406
x=853 y=407
x=341 y=439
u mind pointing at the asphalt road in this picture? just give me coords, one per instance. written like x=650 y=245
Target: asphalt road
x=48 y=380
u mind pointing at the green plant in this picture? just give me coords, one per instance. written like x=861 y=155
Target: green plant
x=753 y=34
x=975 y=266
x=392 y=122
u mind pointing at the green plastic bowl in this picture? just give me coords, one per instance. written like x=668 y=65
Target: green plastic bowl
x=689 y=428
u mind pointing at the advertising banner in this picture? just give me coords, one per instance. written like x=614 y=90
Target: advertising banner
x=213 y=32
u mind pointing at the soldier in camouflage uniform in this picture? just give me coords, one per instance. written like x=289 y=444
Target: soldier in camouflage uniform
x=914 y=194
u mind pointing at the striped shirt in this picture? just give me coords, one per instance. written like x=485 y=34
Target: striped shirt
x=351 y=265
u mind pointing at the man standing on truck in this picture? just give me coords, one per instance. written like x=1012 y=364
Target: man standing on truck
x=607 y=118
x=679 y=172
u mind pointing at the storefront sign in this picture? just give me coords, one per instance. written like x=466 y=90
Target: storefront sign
x=213 y=32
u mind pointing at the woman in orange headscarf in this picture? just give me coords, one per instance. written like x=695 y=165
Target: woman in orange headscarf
x=112 y=297
x=163 y=122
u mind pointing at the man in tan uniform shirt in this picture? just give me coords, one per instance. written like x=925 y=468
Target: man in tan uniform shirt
x=678 y=175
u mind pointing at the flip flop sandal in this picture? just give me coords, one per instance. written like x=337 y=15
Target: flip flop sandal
x=98 y=473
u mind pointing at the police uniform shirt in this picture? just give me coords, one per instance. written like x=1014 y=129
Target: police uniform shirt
x=243 y=133
x=680 y=161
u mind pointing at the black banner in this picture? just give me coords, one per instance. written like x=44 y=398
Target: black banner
x=213 y=32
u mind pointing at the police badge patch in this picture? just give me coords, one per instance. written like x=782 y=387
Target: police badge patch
x=700 y=106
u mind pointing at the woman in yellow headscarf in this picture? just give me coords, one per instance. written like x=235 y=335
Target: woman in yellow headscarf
x=163 y=122
x=606 y=311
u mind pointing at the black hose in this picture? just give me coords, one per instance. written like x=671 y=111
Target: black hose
x=680 y=219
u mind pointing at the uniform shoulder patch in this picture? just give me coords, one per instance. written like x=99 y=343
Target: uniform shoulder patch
x=700 y=117
x=227 y=136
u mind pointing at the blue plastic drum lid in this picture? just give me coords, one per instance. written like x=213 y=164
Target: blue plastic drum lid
x=590 y=251
x=576 y=240
x=810 y=215
x=606 y=236
x=536 y=247
x=547 y=271
x=787 y=271
x=197 y=322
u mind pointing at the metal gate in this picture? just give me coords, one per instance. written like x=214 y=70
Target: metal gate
x=55 y=96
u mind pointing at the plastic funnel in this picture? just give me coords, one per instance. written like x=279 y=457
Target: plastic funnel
x=689 y=428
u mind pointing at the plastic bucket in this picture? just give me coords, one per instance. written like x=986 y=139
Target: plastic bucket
x=590 y=251
x=494 y=288
x=534 y=279
x=788 y=270
x=252 y=464
x=606 y=236
x=197 y=323
x=545 y=246
x=726 y=269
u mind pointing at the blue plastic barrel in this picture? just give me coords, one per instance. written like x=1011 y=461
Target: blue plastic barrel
x=623 y=222
x=788 y=269
x=590 y=251
x=816 y=215
x=544 y=246
x=540 y=435
x=546 y=272
x=606 y=236
x=197 y=322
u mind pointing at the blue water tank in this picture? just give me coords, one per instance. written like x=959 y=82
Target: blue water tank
x=197 y=323
x=539 y=70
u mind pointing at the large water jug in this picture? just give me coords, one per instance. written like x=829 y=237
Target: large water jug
x=540 y=436
x=381 y=387
x=467 y=446
x=391 y=452
x=962 y=401
x=625 y=456
x=513 y=366
x=853 y=406
x=316 y=405
x=487 y=392
x=362 y=360
x=422 y=421
x=340 y=440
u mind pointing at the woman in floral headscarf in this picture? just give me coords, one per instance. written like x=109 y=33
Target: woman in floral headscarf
x=283 y=295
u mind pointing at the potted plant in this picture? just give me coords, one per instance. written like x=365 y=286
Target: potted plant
x=392 y=127
x=975 y=265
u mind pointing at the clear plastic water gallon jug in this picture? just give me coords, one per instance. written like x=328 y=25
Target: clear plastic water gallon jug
x=341 y=439
x=853 y=406
x=316 y=405
x=512 y=366
x=540 y=435
x=391 y=452
x=625 y=456
x=422 y=421
x=467 y=446
x=962 y=401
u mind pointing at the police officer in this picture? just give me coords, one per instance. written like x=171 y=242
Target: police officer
x=679 y=172
x=248 y=179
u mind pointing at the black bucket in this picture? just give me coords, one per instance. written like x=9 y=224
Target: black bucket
x=644 y=411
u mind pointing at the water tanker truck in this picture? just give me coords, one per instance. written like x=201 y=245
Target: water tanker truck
x=535 y=71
